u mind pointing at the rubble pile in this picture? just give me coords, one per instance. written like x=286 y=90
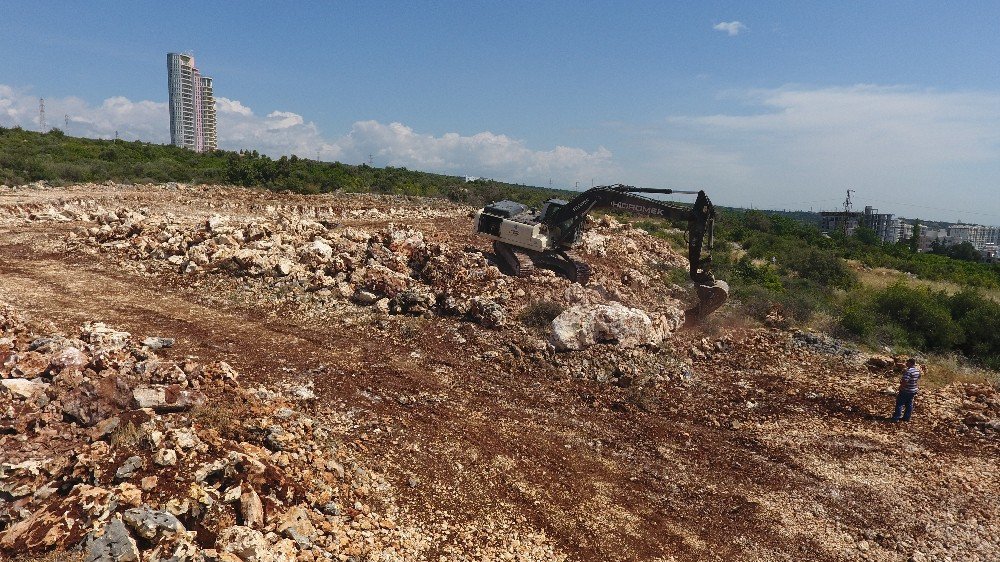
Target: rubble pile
x=59 y=210
x=393 y=269
x=114 y=451
x=981 y=408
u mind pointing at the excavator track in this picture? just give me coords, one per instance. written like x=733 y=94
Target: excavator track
x=516 y=261
x=565 y=263
x=521 y=263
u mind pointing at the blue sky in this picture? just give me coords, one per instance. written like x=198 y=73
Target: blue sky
x=770 y=104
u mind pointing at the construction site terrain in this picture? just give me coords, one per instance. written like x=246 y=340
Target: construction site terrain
x=219 y=373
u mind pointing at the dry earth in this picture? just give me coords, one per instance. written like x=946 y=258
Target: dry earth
x=352 y=379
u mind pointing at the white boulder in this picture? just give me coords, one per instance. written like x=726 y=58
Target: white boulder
x=583 y=325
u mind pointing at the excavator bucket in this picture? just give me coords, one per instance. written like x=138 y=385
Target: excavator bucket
x=710 y=298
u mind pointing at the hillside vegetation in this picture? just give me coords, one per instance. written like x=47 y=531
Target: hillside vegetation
x=775 y=264
x=792 y=268
x=27 y=156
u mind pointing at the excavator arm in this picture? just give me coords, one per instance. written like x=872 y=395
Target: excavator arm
x=565 y=225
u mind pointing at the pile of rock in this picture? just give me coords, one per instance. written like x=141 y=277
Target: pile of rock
x=61 y=210
x=823 y=343
x=393 y=269
x=981 y=408
x=325 y=251
x=108 y=450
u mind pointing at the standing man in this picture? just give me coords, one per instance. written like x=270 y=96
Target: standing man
x=907 y=391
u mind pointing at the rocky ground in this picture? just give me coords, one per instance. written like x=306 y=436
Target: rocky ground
x=213 y=373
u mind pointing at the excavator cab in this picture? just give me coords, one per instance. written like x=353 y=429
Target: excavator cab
x=550 y=208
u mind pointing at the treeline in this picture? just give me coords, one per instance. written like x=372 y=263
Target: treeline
x=27 y=156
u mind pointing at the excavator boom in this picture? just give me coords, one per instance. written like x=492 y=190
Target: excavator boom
x=522 y=238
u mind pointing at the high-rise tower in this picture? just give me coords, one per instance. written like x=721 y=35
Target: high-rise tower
x=192 y=105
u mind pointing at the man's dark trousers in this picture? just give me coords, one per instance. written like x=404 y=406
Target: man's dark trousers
x=904 y=401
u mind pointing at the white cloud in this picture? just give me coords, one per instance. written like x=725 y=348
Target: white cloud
x=794 y=145
x=283 y=119
x=284 y=132
x=482 y=154
x=867 y=125
x=131 y=120
x=226 y=105
x=733 y=28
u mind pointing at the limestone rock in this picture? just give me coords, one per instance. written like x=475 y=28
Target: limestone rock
x=165 y=457
x=167 y=398
x=487 y=312
x=249 y=544
x=295 y=525
x=156 y=343
x=100 y=335
x=130 y=494
x=114 y=545
x=185 y=438
x=151 y=524
x=91 y=403
x=251 y=508
x=581 y=326
x=30 y=364
x=70 y=358
x=129 y=467
x=24 y=388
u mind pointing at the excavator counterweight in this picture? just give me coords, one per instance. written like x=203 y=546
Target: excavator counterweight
x=523 y=239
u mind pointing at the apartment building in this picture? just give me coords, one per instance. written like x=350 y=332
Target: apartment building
x=192 y=104
x=885 y=225
x=978 y=235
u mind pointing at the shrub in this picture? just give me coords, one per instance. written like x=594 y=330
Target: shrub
x=923 y=313
x=979 y=319
x=747 y=273
x=128 y=437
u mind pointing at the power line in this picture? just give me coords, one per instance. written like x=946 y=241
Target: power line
x=934 y=208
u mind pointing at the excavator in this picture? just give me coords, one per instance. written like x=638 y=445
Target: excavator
x=523 y=238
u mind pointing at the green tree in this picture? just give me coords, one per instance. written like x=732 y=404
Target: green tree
x=866 y=236
x=965 y=252
x=922 y=313
x=915 y=239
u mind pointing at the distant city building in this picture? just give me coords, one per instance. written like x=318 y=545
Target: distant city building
x=840 y=221
x=978 y=235
x=906 y=229
x=990 y=253
x=885 y=225
x=192 y=105
x=986 y=239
